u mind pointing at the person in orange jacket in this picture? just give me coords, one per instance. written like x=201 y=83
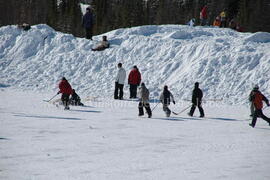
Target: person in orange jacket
x=257 y=98
x=217 y=22
x=66 y=90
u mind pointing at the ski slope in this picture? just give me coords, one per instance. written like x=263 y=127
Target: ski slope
x=226 y=63
x=106 y=140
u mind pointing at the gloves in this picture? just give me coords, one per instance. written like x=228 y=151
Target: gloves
x=58 y=92
x=268 y=104
x=173 y=102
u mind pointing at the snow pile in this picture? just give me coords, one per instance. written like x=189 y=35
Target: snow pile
x=225 y=62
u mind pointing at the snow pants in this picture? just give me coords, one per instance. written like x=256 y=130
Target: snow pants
x=88 y=33
x=147 y=108
x=259 y=113
x=166 y=110
x=118 y=87
x=65 y=99
x=193 y=107
x=252 y=109
x=133 y=90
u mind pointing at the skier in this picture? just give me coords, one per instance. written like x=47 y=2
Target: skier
x=144 y=101
x=197 y=95
x=203 y=16
x=134 y=80
x=102 y=45
x=88 y=23
x=257 y=98
x=66 y=90
x=75 y=99
x=252 y=108
x=119 y=82
x=165 y=99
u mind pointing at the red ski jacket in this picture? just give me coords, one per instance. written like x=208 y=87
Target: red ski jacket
x=134 y=77
x=204 y=12
x=258 y=98
x=65 y=87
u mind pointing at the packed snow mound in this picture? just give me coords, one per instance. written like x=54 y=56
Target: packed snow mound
x=220 y=59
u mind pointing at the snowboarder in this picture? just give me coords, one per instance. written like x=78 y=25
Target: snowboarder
x=102 y=45
x=119 y=82
x=88 y=23
x=134 y=80
x=75 y=99
x=203 y=16
x=257 y=98
x=197 y=95
x=144 y=101
x=66 y=90
x=165 y=99
x=252 y=108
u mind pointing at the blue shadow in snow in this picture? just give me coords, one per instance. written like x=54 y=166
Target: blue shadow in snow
x=170 y=119
x=88 y=111
x=46 y=117
x=225 y=119
x=1 y=138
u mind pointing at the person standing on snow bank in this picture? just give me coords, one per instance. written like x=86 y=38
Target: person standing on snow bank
x=203 y=16
x=119 y=82
x=223 y=19
x=66 y=90
x=197 y=95
x=87 y=23
x=165 y=99
x=257 y=99
x=144 y=101
x=134 y=80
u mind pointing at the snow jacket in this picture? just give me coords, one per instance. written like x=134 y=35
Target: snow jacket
x=134 y=77
x=257 y=98
x=166 y=97
x=203 y=13
x=88 y=20
x=144 y=94
x=65 y=87
x=121 y=76
x=197 y=95
x=223 y=16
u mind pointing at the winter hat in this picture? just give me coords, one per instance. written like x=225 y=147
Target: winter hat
x=63 y=78
x=143 y=84
x=119 y=64
x=165 y=87
x=256 y=87
x=196 y=84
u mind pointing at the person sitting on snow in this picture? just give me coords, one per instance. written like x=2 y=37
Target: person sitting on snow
x=102 y=45
x=75 y=99
x=144 y=101
x=165 y=99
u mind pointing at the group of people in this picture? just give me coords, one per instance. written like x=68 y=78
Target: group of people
x=221 y=20
x=166 y=97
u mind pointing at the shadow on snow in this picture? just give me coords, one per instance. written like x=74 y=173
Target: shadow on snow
x=46 y=117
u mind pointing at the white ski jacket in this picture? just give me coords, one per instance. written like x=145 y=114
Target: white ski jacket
x=121 y=76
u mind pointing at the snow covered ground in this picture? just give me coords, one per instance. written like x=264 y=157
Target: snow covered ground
x=105 y=139
x=225 y=62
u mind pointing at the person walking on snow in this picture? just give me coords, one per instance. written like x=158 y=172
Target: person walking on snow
x=252 y=108
x=257 y=98
x=87 y=23
x=66 y=90
x=197 y=95
x=134 y=80
x=144 y=101
x=119 y=82
x=165 y=99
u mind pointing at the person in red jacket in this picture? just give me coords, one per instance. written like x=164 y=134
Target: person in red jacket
x=66 y=90
x=203 y=16
x=257 y=98
x=134 y=80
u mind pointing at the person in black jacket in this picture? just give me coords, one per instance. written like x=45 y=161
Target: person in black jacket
x=165 y=98
x=87 y=23
x=197 y=95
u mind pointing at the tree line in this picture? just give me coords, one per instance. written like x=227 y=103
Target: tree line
x=65 y=15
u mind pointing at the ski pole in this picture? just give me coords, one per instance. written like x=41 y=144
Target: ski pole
x=155 y=107
x=51 y=98
x=182 y=110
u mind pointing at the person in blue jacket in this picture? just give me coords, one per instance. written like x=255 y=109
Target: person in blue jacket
x=88 y=23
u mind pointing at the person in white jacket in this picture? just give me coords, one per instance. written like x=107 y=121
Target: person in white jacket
x=119 y=82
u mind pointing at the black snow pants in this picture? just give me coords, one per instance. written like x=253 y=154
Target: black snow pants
x=259 y=113
x=147 y=108
x=193 y=107
x=133 y=90
x=118 y=87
